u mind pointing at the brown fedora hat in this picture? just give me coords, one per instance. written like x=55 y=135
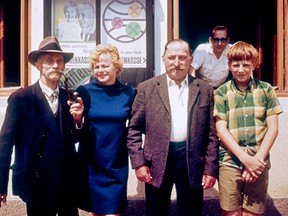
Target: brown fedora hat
x=49 y=44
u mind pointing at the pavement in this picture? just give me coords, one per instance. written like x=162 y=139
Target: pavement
x=137 y=208
x=277 y=201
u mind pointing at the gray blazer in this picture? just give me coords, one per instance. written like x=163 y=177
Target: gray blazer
x=151 y=116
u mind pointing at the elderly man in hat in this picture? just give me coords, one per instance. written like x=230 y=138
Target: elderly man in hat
x=40 y=123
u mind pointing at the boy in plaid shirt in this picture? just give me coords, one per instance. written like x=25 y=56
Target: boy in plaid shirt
x=246 y=112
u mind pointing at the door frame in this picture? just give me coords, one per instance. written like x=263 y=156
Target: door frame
x=280 y=74
x=23 y=49
x=282 y=46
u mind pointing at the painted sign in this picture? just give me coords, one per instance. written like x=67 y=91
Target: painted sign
x=124 y=25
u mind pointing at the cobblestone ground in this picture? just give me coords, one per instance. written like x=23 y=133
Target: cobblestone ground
x=276 y=207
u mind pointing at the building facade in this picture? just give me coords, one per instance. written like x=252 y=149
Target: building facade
x=140 y=29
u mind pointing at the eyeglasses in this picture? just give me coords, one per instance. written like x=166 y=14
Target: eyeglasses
x=217 y=40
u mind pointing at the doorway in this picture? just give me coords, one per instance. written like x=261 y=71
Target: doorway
x=250 y=21
x=10 y=53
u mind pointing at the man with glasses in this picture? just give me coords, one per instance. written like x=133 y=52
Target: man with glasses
x=209 y=59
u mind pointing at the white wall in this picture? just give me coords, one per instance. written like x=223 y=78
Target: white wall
x=160 y=36
x=36 y=33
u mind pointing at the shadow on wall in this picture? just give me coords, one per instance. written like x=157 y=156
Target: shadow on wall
x=211 y=207
x=276 y=207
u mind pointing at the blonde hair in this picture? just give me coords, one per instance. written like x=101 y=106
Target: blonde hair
x=242 y=51
x=103 y=49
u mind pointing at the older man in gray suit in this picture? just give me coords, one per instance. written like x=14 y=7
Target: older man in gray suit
x=174 y=111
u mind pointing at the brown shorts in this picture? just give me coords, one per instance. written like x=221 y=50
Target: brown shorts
x=235 y=194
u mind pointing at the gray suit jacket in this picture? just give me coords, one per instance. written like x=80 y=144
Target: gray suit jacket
x=151 y=116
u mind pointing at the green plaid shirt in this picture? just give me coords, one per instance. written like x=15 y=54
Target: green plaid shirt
x=245 y=113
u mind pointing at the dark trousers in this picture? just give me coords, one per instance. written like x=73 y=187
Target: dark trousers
x=66 y=204
x=189 y=202
x=65 y=211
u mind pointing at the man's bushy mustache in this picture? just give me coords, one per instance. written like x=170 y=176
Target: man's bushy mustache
x=181 y=67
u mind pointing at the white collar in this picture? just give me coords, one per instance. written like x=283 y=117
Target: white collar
x=46 y=90
x=171 y=82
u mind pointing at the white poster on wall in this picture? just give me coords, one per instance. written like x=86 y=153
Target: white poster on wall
x=124 y=25
x=74 y=24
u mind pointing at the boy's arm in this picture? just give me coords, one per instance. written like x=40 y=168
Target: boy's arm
x=253 y=164
x=228 y=140
x=269 y=138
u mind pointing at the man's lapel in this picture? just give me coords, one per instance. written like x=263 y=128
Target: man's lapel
x=194 y=89
x=44 y=111
x=162 y=90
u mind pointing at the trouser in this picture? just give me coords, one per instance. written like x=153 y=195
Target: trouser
x=64 y=211
x=189 y=202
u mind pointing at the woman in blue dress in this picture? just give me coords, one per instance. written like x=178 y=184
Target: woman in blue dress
x=107 y=109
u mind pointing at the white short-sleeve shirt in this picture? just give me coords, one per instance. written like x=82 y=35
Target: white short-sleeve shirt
x=208 y=67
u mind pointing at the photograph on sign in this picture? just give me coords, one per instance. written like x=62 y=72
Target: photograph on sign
x=74 y=21
x=74 y=24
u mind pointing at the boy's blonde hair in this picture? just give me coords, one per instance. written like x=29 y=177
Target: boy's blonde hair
x=242 y=51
